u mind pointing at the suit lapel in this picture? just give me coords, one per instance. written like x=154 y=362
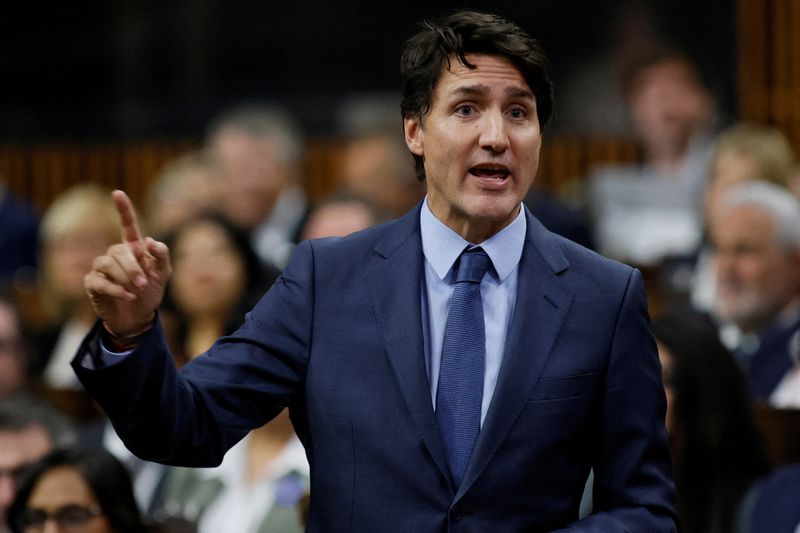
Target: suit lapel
x=541 y=306
x=395 y=283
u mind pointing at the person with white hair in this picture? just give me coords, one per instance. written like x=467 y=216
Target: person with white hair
x=756 y=232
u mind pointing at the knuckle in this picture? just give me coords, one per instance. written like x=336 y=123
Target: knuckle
x=99 y=262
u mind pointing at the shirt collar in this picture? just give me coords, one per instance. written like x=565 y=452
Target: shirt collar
x=442 y=246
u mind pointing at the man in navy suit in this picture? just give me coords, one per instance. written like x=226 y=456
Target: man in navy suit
x=356 y=337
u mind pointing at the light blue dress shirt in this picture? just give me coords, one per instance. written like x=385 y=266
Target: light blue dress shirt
x=441 y=246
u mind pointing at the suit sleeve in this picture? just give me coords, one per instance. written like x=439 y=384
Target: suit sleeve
x=192 y=417
x=633 y=489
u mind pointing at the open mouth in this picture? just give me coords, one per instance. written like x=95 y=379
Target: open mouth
x=497 y=172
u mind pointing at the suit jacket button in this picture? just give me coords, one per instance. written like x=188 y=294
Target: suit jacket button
x=456 y=513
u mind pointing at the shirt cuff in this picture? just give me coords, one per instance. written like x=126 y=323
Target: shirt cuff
x=107 y=357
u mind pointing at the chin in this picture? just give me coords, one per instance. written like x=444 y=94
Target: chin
x=498 y=213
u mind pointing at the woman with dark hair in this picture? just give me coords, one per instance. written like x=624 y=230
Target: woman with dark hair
x=217 y=278
x=79 y=490
x=717 y=450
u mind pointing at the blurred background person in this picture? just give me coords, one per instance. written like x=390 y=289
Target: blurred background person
x=14 y=357
x=76 y=490
x=257 y=488
x=647 y=212
x=591 y=101
x=756 y=232
x=340 y=215
x=182 y=189
x=673 y=113
x=29 y=429
x=716 y=447
x=775 y=508
x=259 y=153
x=217 y=277
x=748 y=152
x=18 y=238
x=560 y=218
x=744 y=152
x=79 y=224
x=375 y=163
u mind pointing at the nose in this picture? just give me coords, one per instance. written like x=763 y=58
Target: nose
x=493 y=135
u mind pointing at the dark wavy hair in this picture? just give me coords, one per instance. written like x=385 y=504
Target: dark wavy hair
x=259 y=276
x=437 y=42
x=107 y=478
x=716 y=446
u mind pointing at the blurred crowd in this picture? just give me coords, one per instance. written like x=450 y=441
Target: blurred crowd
x=231 y=213
x=711 y=215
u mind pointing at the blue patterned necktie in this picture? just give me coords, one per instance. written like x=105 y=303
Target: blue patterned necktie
x=460 y=390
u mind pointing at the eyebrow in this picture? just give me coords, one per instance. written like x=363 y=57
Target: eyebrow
x=519 y=92
x=479 y=89
x=470 y=90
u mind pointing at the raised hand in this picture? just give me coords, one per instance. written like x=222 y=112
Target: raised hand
x=126 y=285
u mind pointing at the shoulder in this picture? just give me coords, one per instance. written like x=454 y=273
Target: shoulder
x=590 y=262
x=338 y=258
x=577 y=266
x=382 y=239
x=599 y=279
x=361 y=241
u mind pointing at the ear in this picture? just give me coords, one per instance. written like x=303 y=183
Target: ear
x=414 y=135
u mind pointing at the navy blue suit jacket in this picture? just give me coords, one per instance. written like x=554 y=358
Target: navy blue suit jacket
x=338 y=339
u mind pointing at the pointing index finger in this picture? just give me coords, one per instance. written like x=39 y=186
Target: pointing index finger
x=130 y=227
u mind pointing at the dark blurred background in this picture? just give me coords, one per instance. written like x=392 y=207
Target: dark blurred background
x=117 y=70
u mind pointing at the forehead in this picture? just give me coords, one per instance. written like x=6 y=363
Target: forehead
x=61 y=486
x=734 y=162
x=744 y=223
x=232 y=143
x=202 y=234
x=670 y=72
x=21 y=446
x=491 y=72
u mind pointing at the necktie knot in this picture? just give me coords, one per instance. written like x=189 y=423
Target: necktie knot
x=473 y=265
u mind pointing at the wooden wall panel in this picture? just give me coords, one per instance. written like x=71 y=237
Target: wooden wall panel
x=39 y=173
x=769 y=64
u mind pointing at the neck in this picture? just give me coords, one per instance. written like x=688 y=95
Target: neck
x=666 y=160
x=476 y=231
x=201 y=333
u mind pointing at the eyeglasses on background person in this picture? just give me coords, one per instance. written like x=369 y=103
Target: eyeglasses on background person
x=77 y=490
x=70 y=517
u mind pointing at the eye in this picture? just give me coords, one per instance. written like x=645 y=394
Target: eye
x=517 y=112
x=465 y=110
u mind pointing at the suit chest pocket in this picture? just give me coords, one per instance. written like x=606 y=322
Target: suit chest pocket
x=565 y=387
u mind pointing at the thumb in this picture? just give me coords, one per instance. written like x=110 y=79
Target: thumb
x=160 y=265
